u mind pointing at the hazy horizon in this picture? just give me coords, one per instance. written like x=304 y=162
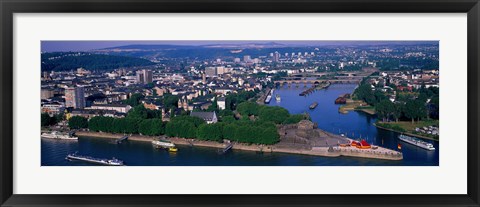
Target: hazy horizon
x=80 y=45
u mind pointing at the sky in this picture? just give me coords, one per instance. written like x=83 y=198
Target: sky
x=64 y=46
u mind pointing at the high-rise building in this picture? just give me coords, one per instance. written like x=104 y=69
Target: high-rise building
x=139 y=79
x=47 y=93
x=247 y=58
x=147 y=76
x=220 y=70
x=276 y=57
x=75 y=97
x=210 y=71
x=144 y=76
x=204 y=78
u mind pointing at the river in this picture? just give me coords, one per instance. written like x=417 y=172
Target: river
x=354 y=124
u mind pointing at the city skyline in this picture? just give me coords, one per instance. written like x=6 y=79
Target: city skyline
x=273 y=103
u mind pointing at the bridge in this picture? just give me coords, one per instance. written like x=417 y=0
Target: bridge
x=322 y=74
x=304 y=81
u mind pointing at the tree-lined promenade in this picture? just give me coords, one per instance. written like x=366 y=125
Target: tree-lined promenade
x=248 y=123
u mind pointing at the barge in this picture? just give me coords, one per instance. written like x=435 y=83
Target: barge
x=112 y=162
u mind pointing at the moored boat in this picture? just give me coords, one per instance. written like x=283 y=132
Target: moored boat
x=163 y=144
x=417 y=142
x=268 y=99
x=313 y=105
x=278 y=98
x=58 y=135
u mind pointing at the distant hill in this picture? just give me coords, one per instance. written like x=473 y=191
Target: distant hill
x=64 y=61
x=147 y=47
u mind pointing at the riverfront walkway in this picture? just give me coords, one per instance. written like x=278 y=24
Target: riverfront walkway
x=315 y=142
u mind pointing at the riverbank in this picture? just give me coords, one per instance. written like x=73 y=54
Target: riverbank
x=353 y=105
x=406 y=133
x=315 y=151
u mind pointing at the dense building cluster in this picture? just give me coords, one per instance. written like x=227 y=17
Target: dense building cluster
x=177 y=82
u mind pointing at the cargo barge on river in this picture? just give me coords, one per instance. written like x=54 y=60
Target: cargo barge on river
x=112 y=162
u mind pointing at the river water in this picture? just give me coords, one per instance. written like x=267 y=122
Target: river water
x=354 y=124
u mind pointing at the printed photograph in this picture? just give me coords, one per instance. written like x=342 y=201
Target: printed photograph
x=240 y=103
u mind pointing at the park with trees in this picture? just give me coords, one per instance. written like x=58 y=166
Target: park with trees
x=248 y=122
x=47 y=120
x=417 y=105
x=411 y=109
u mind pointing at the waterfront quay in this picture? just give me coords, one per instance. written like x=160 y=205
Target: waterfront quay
x=300 y=138
x=305 y=138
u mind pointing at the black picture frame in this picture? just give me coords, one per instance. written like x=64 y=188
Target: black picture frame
x=10 y=7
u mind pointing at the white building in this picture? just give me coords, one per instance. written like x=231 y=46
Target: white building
x=221 y=103
x=209 y=117
x=122 y=108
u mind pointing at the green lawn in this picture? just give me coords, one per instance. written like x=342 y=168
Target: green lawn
x=409 y=127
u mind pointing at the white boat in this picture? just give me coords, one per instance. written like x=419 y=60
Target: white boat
x=278 y=98
x=58 y=135
x=416 y=142
x=267 y=100
x=162 y=144
x=269 y=96
x=112 y=162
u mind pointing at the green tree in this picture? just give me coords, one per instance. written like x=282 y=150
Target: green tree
x=138 y=112
x=78 y=122
x=228 y=119
x=46 y=120
x=225 y=112
x=243 y=133
x=275 y=114
x=229 y=131
x=398 y=109
x=385 y=109
x=269 y=136
x=214 y=106
x=213 y=132
x=183 y=126
x=134 y=100
x=101 y=123
x=415 y=109
x=364 y=92
x=151 y=127
x=294 y=118
x=170 y=101
x=248 y=108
